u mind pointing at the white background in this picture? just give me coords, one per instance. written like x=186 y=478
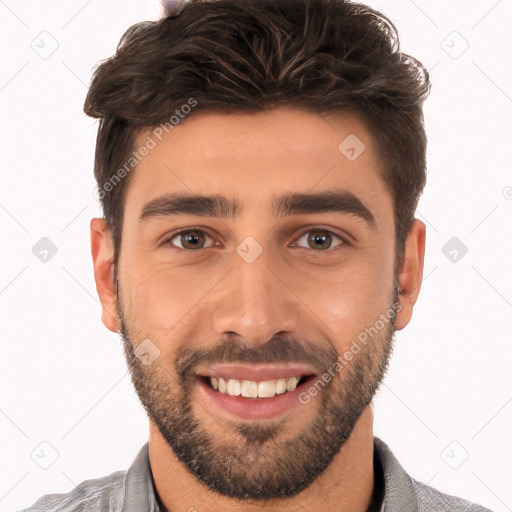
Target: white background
x=63 y=378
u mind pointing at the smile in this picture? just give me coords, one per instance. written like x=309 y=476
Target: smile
x=250 y=399
x=255 y=389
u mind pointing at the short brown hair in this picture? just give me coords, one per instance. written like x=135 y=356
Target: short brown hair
x=322 y=56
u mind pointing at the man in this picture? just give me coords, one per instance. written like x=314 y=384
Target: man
x=259 y=164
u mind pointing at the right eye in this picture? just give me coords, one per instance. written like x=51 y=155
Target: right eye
x=191 y=240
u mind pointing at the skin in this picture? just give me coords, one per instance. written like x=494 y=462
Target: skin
x=211 y=306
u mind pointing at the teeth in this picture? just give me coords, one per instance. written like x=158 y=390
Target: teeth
x=267 y=388
x=280 y=386
x=249 y=388
x=253 y=389
x=233 y=387
x=292 y=383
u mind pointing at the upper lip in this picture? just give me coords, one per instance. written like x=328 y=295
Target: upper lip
x=257 y=373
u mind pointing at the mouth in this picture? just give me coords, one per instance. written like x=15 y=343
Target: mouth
x=253 y=399
x=253 y=389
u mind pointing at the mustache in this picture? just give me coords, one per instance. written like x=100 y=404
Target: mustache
x=276 y=350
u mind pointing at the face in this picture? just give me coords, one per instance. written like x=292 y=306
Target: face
x=248 y=282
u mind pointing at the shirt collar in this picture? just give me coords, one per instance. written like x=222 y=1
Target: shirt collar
x=399 y=493
x=140 y=492
x=139 y=487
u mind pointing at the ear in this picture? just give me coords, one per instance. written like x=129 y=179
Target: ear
x=102 y=250
x=410 y=273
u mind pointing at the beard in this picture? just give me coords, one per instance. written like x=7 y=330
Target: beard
x=259 y=460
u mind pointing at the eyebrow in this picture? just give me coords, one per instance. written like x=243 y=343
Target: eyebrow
x=185 y=203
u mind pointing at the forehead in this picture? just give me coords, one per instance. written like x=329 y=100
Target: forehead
x=253 y=157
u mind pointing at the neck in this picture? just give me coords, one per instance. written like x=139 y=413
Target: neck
x=345 y=486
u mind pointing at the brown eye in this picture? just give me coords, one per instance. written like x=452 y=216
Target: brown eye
x=190 y=240
x=320 y=239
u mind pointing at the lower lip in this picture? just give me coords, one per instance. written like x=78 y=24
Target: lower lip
x=252 y=408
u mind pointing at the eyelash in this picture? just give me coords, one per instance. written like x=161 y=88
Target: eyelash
x=167 y=241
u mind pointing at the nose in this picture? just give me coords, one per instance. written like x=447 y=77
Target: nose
x=256 y=302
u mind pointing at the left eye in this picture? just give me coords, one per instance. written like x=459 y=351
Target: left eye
x=320 y=239
x=194 y=239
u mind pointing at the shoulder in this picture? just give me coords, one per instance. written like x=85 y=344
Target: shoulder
x=95 y=495
x=432 y=500
x=401 y=490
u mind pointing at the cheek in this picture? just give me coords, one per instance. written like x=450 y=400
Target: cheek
x=160 y=298
x=349 y=299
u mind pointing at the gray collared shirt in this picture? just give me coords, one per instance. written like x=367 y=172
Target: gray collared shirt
x=133 y=490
